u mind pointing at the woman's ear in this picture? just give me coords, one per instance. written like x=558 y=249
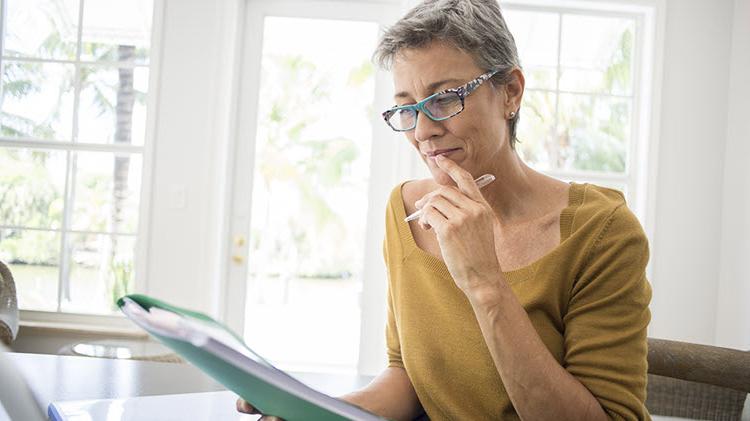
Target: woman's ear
x=514 y=90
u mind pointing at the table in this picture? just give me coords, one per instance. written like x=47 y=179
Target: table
x=62 y=377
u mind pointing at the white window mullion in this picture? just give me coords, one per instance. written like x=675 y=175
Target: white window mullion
x=555 y=126
x=28 y=143
x=593 y=94
x=636 y=144
x=3 y=19
x=72 y=231
x=125 y=64
x=63 y=285
x=588 y=175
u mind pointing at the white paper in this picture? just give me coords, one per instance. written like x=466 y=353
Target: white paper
x=189 y=406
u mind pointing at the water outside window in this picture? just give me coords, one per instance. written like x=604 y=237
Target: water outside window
x=312 y=158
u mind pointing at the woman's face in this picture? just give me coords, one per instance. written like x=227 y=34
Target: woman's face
x=476 y=137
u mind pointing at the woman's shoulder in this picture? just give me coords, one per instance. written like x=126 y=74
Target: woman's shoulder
x=413 y=190
x=597 y=206
x=408 y=192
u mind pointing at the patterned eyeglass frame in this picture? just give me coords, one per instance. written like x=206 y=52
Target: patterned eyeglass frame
x=463 y=91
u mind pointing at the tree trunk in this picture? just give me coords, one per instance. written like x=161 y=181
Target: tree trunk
x=123 y=135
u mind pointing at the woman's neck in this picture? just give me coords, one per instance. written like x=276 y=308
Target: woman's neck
x=519 y=193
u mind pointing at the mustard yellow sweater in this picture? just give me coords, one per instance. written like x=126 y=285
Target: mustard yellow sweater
x=587 y=298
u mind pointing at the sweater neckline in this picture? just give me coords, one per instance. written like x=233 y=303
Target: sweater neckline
x=437 y=265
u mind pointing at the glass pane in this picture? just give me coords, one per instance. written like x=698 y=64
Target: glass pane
x=620 y=186
x=33 y=258
x=41 y=28
x=310 y=192
x=593 y=133
x=536 y=128
x=538 y=77
x=116 y=30
x=107 y=192
x=536 y=35
x=101 y=271
x=113 y=105
x=37 y=100
x=596 y=54
x=32 y=185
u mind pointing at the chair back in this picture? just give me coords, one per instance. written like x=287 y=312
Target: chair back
x=8 y=306
x=696 y=381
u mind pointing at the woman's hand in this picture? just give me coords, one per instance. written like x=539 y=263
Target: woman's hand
x=244 y=407
x=464 y=223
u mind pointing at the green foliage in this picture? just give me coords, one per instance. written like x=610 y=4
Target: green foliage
x=359 y=75
x=122 y=280
x=30 y=187
x=592 y=131
x=599 y=152
x=29 y=247
x=28 y=194
x=617 y=76
x=312 y=167
x=21 y=79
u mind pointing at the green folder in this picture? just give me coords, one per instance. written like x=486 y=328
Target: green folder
x=223 y=355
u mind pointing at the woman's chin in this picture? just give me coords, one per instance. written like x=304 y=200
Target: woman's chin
x=442 y=178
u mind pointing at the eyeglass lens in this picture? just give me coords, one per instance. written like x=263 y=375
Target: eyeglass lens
x=439 y=107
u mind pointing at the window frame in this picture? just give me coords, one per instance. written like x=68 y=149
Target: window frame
x=388 y=167
x=60 y=319
x=640 y=170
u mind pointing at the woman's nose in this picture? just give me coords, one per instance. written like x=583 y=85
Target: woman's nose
x=427 y=128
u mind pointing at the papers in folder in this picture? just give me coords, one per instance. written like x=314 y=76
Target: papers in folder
x=223 y=355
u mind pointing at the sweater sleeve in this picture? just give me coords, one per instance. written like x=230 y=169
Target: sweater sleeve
x=391 y=335
x=607 y=316
x=393 y=344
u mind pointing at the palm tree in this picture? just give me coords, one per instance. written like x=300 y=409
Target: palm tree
x=306 y=167
x=23 y=78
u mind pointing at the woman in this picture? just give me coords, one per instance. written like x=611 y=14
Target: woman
x=527 y=299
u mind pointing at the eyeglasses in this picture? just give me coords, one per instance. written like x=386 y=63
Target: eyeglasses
x=438 y=107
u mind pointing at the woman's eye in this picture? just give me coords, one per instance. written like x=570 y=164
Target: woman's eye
x=444 y=100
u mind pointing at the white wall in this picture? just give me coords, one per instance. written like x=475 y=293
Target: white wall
x=185 y=227
x=687 y=237
x=695 y=188
x=733 y=305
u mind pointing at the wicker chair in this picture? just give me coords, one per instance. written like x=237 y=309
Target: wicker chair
x=696 y=381
x=8 y=306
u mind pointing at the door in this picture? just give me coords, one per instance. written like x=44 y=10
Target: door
x=314 y=164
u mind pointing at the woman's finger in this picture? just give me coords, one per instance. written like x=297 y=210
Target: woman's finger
x=445 y=207
x=243 y=406
x=463 y=178
x=431 y=217
x=452 y=194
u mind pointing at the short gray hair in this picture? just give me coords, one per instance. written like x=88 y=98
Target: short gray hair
x=474 y=26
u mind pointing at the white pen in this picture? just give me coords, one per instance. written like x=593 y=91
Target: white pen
x=481 y=182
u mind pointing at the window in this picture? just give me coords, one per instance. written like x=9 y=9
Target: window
x=579 y=113
x=310 y=191
x=72 y=132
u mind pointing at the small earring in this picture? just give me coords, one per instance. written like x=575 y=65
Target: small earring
x=512 y=114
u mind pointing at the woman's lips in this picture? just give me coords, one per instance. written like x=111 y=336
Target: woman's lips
x=433 y=154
